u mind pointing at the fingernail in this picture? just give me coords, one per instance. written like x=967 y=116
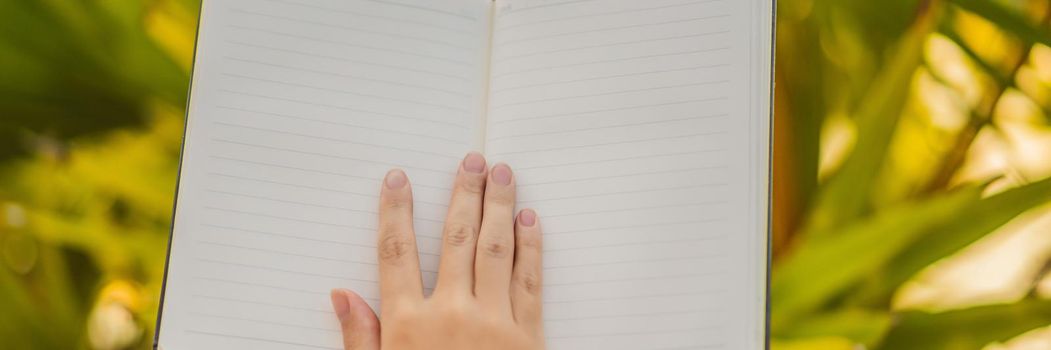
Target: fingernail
x=474 y=162
x=395 y=179
x=502 y=174
x=340 y=304
x=527 y=218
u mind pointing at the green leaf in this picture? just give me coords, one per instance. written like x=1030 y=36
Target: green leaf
x=844 y=198
x=1007 y=19
x=821 y=268
x=859 y=325
x=969 y=225
x=911 y=236
x=967 y=329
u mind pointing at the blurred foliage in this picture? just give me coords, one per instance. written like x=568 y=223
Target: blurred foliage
x=91 y=100
x=897 y=151
x=877 y=183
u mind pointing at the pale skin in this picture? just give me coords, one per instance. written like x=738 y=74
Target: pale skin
x=489 y=277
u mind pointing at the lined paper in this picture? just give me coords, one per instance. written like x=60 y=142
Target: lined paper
x=636 y=128
x=298 y=109
x=628 y=126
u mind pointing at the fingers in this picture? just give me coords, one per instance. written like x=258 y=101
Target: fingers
x=361 y=328
x=399 y=263
x=526 y=279
x=456 y=269
x=495 y=252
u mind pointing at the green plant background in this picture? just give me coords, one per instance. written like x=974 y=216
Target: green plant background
x=912 y=155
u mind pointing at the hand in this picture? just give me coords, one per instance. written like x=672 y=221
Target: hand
x=488 y=290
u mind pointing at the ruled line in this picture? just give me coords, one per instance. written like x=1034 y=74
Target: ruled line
x=357 y=29
x=294 y=272
x=239 y=160
x=636 y=333
x=611 y=93
x=316 y=205
x=637 y=314
x=460 y=78
x=639 y=243
x=370 y=180
x=625 y=75
x=319 y=188
x=356 y=227
x=620 y=59
x=599 y=161
x=633 y=261
x=345 y=92
x=635 y=279
x=276 y=217
x=267 y=286
x=644 y=296
x=280 y=252
x=349 y=76
x=621 y=210
x=334 y=139
x=605 y=110
x=423 y=8
x=290 y=236
x=301 y=273
x=613 y=143
x=647 y=225
x=270 y=216
x=332 y=156
x=503 y=60
x=367 y=112
x=263 y=340
x=351 y=125
x=366 y=15
x=617 y=193
x=263 y=303
x=599 y=30
x=601 y=14
x=589 y=179
x=447 y=60
x=607 y=127
x=696 y=347
x=542 y=6
x=254 y=320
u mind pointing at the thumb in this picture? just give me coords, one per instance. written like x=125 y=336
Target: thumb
x=361 y=328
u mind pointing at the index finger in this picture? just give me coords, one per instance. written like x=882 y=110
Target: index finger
x=399 y=262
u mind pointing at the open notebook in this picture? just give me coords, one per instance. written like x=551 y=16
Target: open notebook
x=638 y=130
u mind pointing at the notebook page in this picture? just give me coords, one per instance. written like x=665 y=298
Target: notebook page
x=298 y=108
x=638 y=131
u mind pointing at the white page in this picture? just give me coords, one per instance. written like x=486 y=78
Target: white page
x=298 y=108
x=638 y=129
